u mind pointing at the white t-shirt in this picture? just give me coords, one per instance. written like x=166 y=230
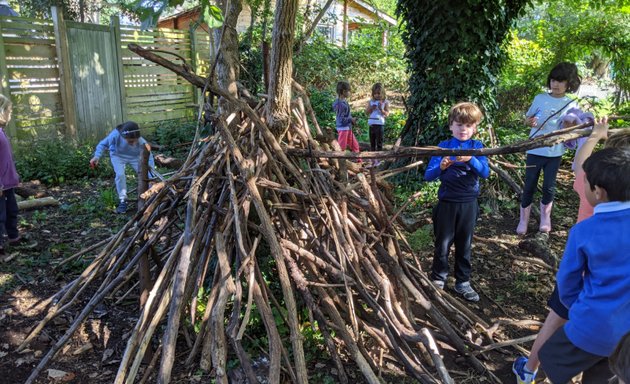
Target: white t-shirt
x=376 y=117
x=543 y=106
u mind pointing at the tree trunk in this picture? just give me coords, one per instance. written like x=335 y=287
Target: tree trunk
x=278 y=111
x=228 y=60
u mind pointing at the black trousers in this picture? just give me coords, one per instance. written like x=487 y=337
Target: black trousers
x=8 y=215
x=561 y=360
x=376 y=137
x=453 y=223
x=536 y=164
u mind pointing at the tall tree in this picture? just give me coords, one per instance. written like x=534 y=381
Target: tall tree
x=278 y=107
x=228 y=64
x=454 y=51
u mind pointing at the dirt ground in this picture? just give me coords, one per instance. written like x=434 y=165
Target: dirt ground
x=512 y=287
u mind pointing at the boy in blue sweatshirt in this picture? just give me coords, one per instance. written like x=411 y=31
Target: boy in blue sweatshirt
x=455 y=215
x=594 y=276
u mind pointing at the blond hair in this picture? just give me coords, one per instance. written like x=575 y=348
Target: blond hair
x=378 y=87
x=619 y=139
x=5 y=110
x=465 y=113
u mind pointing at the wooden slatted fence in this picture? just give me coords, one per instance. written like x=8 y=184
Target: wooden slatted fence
x=79 y=80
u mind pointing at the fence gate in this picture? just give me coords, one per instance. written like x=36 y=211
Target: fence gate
x=96 y=87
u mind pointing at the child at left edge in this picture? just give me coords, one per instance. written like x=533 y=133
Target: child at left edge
x=9 y=179
x=125 y=146
x=455 y=215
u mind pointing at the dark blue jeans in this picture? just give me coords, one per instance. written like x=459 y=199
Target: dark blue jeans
x=536 y=164
x=8 y=215
x=453 y=223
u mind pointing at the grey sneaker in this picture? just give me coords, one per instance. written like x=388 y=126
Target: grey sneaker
x=439 y=284
x=466 y=291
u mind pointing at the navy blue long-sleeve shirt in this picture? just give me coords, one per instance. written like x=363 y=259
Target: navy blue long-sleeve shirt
x=460 y=181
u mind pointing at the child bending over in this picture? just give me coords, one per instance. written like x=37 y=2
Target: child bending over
x=125 y=146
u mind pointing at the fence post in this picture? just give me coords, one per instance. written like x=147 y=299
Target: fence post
x=4 y=81
x=114 y=23
x=65 y=73
x=193 y=59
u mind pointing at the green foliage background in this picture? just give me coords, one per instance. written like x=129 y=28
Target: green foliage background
x=455 y=50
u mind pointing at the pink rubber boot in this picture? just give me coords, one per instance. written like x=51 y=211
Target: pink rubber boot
x=522 y=223
x=545 y=217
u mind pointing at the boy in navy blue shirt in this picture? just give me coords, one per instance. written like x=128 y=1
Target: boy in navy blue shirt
x=594 y=276
x=455 y=215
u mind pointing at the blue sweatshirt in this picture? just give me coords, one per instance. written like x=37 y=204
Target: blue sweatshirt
x=594 y=279
x=460 y=181
x=343 y=121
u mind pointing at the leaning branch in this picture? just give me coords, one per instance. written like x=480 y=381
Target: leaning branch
x=547 y=140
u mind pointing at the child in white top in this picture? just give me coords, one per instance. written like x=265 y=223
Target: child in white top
x=544 y=116
x=377 y=110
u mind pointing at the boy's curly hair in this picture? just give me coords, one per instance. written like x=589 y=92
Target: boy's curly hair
x=465 y=112
x=565 y=72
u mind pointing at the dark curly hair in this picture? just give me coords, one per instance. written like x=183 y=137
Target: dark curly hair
x=565 y=72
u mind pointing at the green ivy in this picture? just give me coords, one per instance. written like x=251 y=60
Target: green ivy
x=57 y=161
x=454 y=52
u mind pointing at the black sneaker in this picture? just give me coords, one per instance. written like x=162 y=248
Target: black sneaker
x=122 y=207
x=467 y=291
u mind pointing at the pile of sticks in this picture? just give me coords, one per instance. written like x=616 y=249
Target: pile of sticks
x=338 y=255
x=329 y=228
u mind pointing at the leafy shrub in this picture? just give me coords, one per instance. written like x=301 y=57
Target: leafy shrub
x=394 y=124
x=57 y=161
x=322 y=101
x=364 y=62
x=173 y=135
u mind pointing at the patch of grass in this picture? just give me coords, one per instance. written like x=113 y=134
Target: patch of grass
x=109 y=198
x=523 y=282
x=421 y=239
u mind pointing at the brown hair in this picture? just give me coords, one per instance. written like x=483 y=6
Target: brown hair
x=378 y=87
x=5 y=108
x=465 y=112
x=619 y=139
x=342 y=86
